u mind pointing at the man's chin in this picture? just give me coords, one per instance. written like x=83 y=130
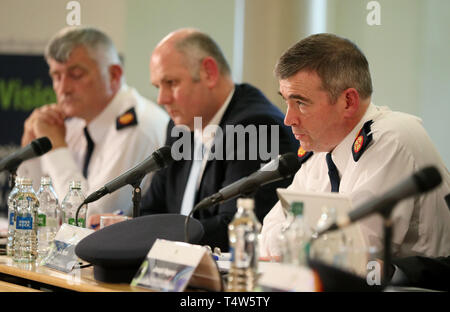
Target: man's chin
x=70 y=113
x=306 y=146
x=182 y=122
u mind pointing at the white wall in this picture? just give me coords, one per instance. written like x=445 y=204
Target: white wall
x=27 y=25
x=147 y=22
x=434 y=96
x=408 y=57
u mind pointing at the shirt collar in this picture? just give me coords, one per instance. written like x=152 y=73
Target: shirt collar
x=99 y=125
x=340 y=154
x=207 y=136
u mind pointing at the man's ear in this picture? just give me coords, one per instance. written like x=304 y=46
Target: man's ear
x=210 y=71
x=351 y=102
x=115 y=76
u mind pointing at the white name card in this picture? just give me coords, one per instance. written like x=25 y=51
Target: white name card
x=285 y=277
x=61 y=255
x=172 y=266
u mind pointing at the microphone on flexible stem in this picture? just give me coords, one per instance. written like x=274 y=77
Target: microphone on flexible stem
x=283 y=167
x=422 y=181
x=159 y=159
x=36 y=148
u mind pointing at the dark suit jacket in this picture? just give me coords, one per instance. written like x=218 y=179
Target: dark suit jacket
x=248 y=106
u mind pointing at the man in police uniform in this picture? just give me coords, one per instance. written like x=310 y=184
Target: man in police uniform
x=99 y=128
x=353 y=147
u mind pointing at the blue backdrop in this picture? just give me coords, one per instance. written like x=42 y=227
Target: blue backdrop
x=24 y=85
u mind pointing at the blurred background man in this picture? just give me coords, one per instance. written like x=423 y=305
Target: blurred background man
x=99 y=127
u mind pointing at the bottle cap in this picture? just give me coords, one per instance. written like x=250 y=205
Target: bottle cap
x=46 y=181
x=246 y=203
x=18 y=181
x=297 y=208
x=75 y=185
x=27 y=181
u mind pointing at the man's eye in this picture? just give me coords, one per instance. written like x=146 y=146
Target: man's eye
x=171 y=82
x=77 y=73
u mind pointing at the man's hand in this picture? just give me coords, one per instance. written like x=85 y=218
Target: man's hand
x=48 y=121
x=93 y=221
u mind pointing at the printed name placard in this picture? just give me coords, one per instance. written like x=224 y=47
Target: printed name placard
x=61 y=255
x=172 y=266
x=285 y=277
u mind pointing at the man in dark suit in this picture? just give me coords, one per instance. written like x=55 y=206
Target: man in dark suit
x=196 y=89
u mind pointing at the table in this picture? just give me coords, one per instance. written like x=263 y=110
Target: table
x=13 y=277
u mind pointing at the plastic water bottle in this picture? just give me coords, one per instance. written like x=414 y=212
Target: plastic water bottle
x=48 y=215
x=243 y=234
x=25 y=234
x=297 y=238
x=11 y=217
x=331 y=246
x=74 y=198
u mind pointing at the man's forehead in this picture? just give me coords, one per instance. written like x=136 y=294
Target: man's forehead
x=302 y=80
x=164 y=64
x=55 y=66
x=78 y=57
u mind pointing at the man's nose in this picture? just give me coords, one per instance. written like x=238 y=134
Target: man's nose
x=291 y=118
x=164 y=96
x=64 y=85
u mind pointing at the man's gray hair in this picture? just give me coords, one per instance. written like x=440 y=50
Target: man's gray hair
x=338 y=62
x=196 y=46
x=100 y=47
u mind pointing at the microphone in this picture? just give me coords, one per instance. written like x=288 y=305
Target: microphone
x=422 y=181
x=159 y=159
x=283 y=167
x=36 y=148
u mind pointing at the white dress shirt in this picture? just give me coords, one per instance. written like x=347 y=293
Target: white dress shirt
x=203 y=140
x=400 y=147
x=114 y=153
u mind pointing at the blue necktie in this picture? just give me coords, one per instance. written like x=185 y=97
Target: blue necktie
x=89 y=150
x=333 y=174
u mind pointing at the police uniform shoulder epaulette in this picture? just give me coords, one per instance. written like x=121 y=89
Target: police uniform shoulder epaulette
x=303 y=155
x=362 y=140
x=126 y=119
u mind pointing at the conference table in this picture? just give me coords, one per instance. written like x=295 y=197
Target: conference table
x=26 y=277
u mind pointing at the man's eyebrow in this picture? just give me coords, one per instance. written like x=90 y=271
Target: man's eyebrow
x=296 y=97
x=72 y=67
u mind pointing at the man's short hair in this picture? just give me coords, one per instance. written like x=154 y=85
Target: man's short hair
x=196 y=46
x=100 y=47
x=339 y=63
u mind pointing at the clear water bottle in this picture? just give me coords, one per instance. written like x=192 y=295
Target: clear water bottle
x=331 y=246
x=25 y=234
x=74 y=198
x=297 y=238
x=243 y=232
x=12 y=199
x=48 y=215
